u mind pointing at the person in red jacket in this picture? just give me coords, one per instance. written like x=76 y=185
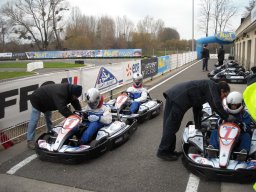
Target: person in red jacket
x=49 y=98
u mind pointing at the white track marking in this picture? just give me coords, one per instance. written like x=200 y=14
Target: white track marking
x=193 y=183
x=21 y=164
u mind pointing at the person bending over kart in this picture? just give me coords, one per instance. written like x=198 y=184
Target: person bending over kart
x=234 y=106
x=137 y=93
x=98 y=114
x=179 y=99
x=49 y=98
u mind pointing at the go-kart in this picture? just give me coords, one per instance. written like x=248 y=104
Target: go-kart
x=120 y=107
x=231 y=75
x=62 y=144
x=225 y=166
x=229 y=67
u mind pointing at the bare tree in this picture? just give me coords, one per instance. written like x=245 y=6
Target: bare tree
x=204 y=18
x=36 y=20
x=150 y=26
x=4 y=28
x=148 y=32
x=223 y=12
x=80 y=31
x=106 y=32
x=124 y=29
x=249 y=8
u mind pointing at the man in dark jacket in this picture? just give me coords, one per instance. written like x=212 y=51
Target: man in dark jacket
x=49 y=98
x=205 y=56
x=182 y=97
x=221 y=55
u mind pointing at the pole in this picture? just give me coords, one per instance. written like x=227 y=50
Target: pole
x=192 y=26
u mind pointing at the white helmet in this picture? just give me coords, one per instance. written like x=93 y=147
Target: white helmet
x=137 y=79
x=234 y=98
x=92 y=97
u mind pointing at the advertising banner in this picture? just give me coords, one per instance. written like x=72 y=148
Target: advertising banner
x=84 y=54
x=103 y=78
x=6 y=55
x=15 y=105
x=164 y=64
x=149 y=67
x=129 y=68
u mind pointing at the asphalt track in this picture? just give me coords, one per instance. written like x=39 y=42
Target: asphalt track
x=129 y=168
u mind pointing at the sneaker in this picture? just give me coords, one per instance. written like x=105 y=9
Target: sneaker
x=241 y=156
x=211 y=152
x=173 y=156
x=31 y=144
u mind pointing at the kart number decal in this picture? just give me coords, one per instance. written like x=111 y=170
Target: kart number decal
x=121 y=99
x=228 y=132
x=71 y=122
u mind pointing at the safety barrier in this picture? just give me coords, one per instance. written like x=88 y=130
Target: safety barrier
x=17 y=132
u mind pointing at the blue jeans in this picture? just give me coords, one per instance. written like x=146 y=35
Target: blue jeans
x=35 y=115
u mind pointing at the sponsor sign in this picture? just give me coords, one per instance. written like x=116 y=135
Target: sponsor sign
x=15 y=105
x=164 y=63
x=130 y=67
x=226 y=36
x=84 y=53
x=149 y=67
x=105 y=79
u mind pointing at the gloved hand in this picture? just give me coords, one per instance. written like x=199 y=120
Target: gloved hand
x=231 y=118
x=93 y=118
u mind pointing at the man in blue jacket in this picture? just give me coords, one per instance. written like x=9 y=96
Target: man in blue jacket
x=181 y=98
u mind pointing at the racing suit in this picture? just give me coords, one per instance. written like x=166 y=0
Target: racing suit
x=182 y=97
x=97 y=118
x=244 y=139
x=138 y=96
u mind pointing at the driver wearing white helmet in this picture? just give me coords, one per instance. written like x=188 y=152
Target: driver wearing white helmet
x=137 y=93
x=98 y=114
x=234 y=105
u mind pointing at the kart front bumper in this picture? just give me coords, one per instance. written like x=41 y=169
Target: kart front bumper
x=218 y=174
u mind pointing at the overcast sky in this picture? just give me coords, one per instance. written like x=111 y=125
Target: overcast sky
x=176 y=14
